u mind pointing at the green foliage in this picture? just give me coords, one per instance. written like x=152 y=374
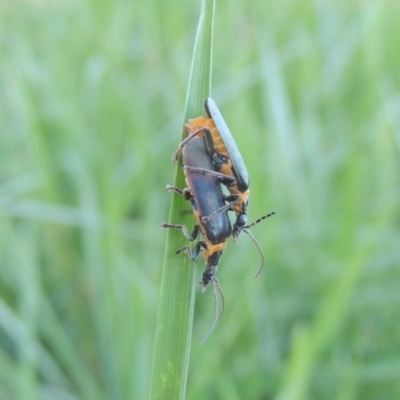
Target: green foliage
x=92 y=100
x=178 y=288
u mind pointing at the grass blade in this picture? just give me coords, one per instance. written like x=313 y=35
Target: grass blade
x=178 y=286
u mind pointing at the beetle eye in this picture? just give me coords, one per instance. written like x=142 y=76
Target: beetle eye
x=238 y=225
x=219 y=159
x=242 y=220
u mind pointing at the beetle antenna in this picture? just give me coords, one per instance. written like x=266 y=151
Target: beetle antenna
x=259 y=220
x=216 y=289
x=259 y=249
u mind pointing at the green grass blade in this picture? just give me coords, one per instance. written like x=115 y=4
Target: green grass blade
x=178 y=286
x=309 y=344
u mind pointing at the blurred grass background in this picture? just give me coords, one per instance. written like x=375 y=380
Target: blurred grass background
x=92 y=96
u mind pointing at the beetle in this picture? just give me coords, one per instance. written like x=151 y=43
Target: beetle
x=229 y=167
x=205 y=195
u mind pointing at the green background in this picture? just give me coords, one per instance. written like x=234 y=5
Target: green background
x=92 y=96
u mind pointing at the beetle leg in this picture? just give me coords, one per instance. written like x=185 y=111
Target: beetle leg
x=233 y=198
x=176 y=154
x=218 y=159
x=209 y=172
x=206 y=219
x=184 y=230
x=186 y=193
x=174 y=189
x=193 y=253
x=208 y=140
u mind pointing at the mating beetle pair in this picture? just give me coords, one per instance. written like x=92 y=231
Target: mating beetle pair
x=205 y=195
x=211 y=158
x=228 y=163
